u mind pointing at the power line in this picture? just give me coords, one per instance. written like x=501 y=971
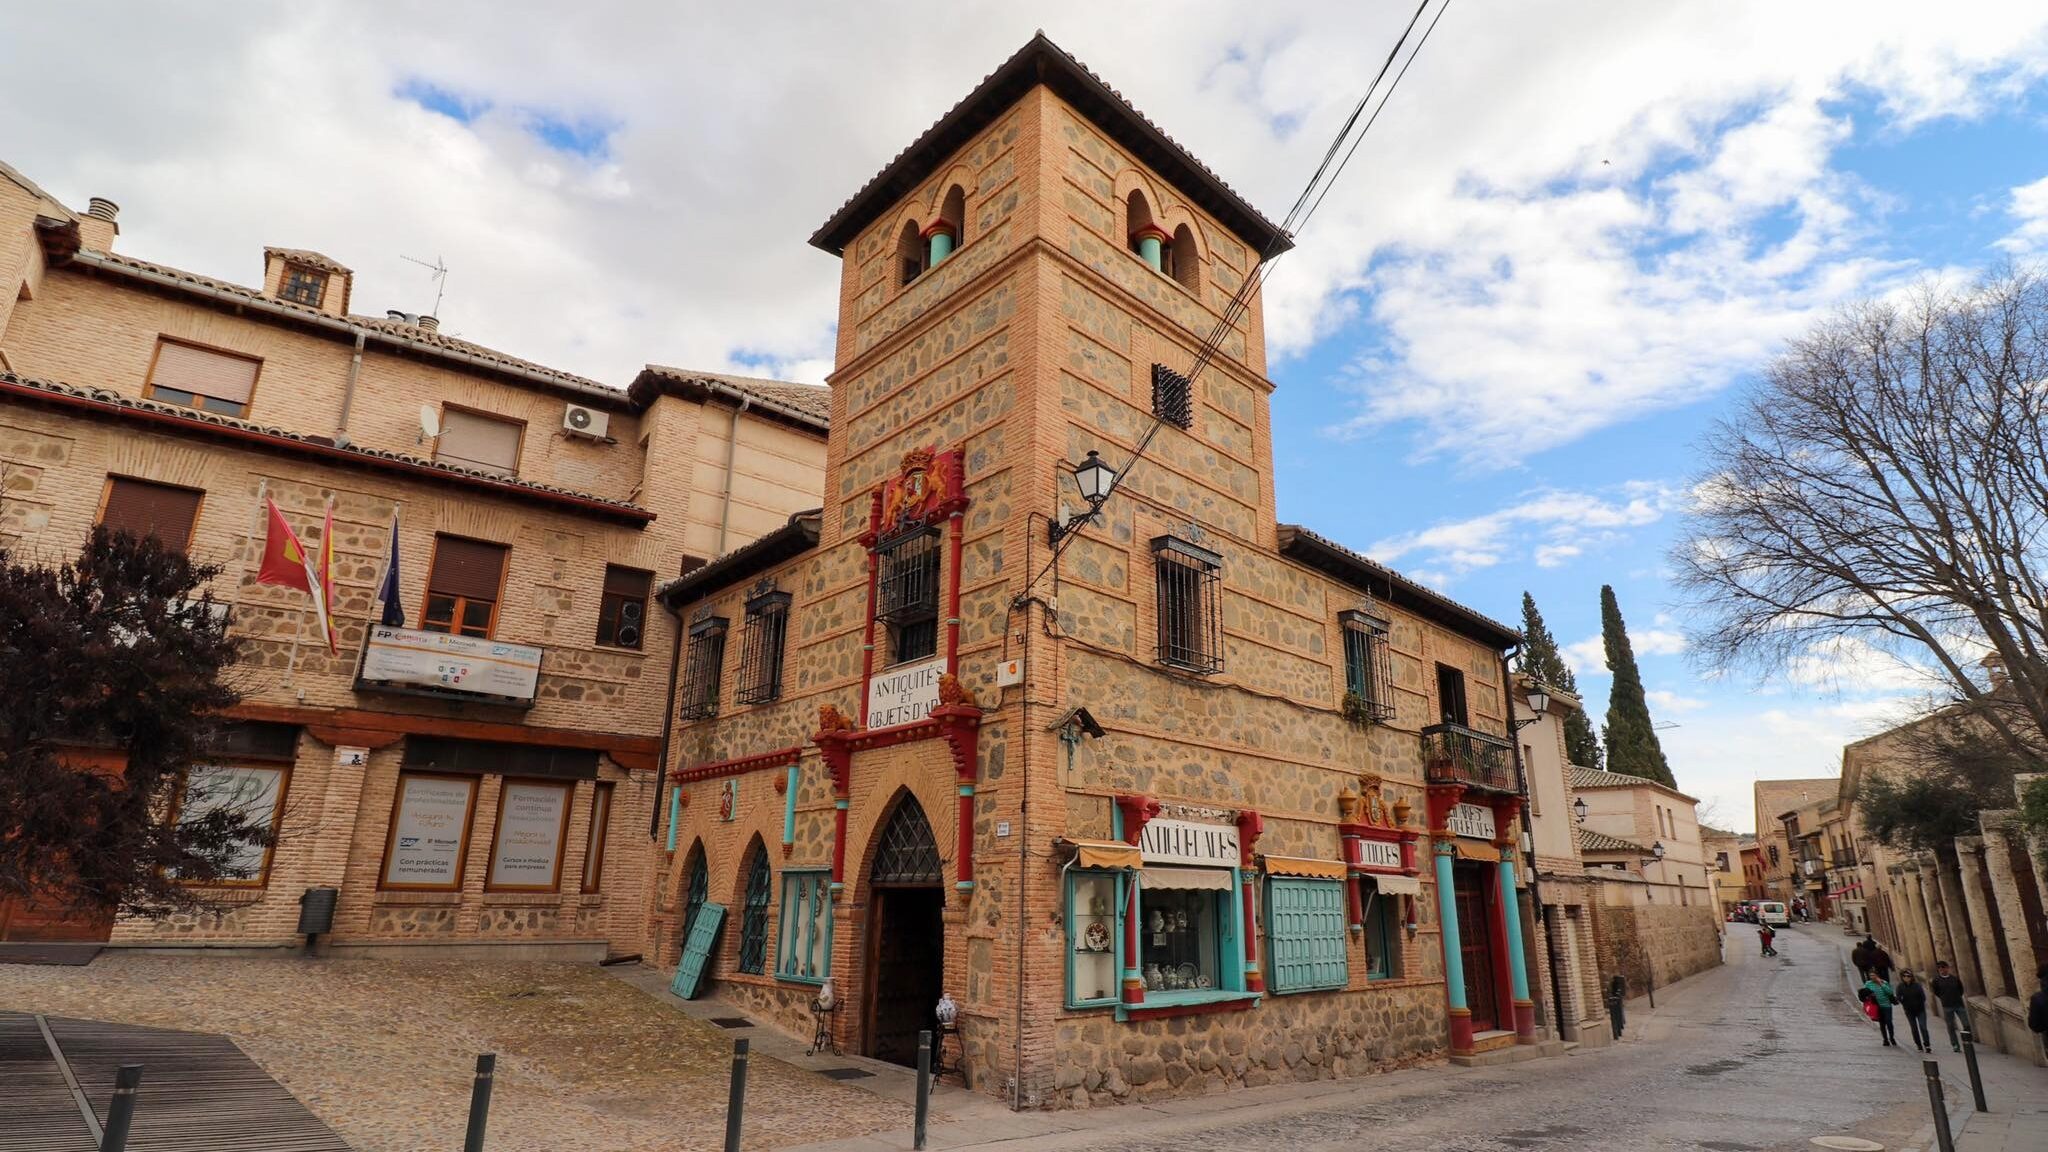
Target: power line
x=1298 y=215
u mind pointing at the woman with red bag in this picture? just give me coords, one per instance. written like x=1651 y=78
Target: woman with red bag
x=1879 y=1008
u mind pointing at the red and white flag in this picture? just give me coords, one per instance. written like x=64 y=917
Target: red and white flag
x=286 y=563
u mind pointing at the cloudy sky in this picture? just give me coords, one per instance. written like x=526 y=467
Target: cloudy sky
x=1570 y=241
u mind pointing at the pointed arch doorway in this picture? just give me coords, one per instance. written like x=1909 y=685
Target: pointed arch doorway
x=906 y=944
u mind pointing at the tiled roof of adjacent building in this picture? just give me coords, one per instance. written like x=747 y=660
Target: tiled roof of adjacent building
x=1041 y=61
x=309 y=258
x=798 y=536
x=1591 y=841
x=209 y=423
x=1596 y=778
x=1362 y=571
x=808 y=405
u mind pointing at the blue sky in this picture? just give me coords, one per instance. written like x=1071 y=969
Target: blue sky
x=1577 y=230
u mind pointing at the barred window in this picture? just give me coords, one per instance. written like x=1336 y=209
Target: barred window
x=1190 y=605
x=907 y=594
x=1368 y=668
x=761 y=651
x=303 y=285
x=754 y=919
x=702 y=663
x=1173 y=397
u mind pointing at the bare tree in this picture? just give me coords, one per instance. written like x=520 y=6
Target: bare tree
x=1888 y=483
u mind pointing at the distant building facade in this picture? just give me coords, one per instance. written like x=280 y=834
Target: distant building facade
x=1654 y=916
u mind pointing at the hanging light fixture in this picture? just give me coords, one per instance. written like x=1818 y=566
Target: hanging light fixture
x=1579 y=809
x=1094 y=479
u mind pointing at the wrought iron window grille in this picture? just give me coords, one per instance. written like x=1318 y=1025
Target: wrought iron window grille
x=909 y=854
x=1368 y=668
x=1173 y=399
x=754 y=920
x=704 y=659
x=767 y=631
x=1190 y=588
x=907 y=593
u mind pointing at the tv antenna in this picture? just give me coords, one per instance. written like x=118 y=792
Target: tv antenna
x=440 y=278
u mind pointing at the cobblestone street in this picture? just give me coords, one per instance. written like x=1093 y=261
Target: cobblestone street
x=1760 y=1055
x=383 y=1051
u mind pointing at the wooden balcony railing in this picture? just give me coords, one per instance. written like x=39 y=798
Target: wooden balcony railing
x=1455 y=754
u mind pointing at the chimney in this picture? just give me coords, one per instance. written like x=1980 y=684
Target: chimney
x=429 y=323
x=96 y=229
x=398 y=317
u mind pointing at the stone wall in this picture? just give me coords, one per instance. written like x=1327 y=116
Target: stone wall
x=1664 y=941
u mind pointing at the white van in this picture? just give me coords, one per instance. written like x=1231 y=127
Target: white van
x=1772 y=912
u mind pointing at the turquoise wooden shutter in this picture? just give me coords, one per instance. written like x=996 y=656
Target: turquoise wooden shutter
x=697 y=951
x=1305 y=924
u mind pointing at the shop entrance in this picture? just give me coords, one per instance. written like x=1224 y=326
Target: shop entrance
x=1475 y=943
x=906 y=946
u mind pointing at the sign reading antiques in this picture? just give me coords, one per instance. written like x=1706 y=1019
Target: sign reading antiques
x=1186 y=842
x=904 y=694
x=1473 y=820
x=436 y=661
x=1379 y=855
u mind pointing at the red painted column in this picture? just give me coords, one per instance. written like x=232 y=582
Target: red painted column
x=838 y=761
x=1134 y=980
x=1249 y=825
x=953 y=595
x=867 y=652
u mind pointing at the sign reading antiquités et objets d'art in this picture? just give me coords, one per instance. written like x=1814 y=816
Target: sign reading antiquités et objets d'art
x=1188 y=842
x=1471 y=820
x=904 y=694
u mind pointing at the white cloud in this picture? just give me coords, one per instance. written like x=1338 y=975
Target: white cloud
x=1657 y=642
x=1723 y=749
x=1588 y=657
x=1663 y=701
x=1557 y=525
x=2030 y=208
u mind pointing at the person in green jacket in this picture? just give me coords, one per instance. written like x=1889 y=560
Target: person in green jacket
x=1882 y=996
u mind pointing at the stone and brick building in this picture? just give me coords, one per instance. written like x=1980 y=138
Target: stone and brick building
x=485 y=771
x=1776 y=852
x=1654 y=916
x=1566 y=953
x=1165 y=800
x=1723 y=852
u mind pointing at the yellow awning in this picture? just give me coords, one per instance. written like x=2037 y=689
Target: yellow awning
x=1395 y=885
x=1305 y=866
x=1212 y=879
x=1473 y=850
x=1104 y=854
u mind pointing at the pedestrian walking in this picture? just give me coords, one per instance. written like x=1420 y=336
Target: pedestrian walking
x=1948 y=1000
x=1881 y=965
x=2037 y=1008
x=1862 y=956
x=1617 y=997
x=1881 y=996
x=1764 y=936
x=1912 y=997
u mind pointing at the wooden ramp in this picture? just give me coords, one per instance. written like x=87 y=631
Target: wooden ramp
x=199 y=1092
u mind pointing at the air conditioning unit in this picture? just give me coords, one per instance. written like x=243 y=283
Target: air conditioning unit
x=580 y=421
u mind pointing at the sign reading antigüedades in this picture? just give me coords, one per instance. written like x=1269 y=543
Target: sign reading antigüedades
x=904 y=694
x=1473 y=820
x=1188 y=842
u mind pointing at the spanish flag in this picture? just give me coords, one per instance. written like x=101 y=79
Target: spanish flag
x=286 y=563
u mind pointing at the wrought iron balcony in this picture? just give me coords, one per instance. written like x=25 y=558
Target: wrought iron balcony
x=1455 y=754
x=1845 y=858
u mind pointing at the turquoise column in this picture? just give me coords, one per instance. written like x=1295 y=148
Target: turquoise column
x=1454 y=952
x=1149 y=250
x=789 y=808
x=675 y=813
x=942 y=246
x=1518 y=970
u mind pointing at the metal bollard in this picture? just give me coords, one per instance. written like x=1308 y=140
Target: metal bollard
x=736 y=1102
x=121 y=1109
x=1976 y=1080
x=924 y=1088
x=480 y=1101
x=1942 y=1135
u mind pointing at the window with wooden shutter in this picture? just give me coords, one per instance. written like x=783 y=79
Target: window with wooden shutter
x=1305 y=922
x=203 y=378
x=483 y=443
x=141 y=508
x=704 y=661
x=1368 y=668
x=1190 y=582
x=761 y=655
x=622 y=610
x=463 y=586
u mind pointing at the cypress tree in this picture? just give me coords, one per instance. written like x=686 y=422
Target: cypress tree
x=1542 y=659
x=1632 y=746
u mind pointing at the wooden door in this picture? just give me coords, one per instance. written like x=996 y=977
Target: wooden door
x=1475 y=944
x=907 y=950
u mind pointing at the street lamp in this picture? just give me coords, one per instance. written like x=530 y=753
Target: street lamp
x=1539 y=703
x=1094 y=479
x=1579 y=809
x=1657 y=849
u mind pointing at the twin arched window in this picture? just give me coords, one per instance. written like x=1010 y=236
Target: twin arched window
x=1172 y=254
x=917 y=252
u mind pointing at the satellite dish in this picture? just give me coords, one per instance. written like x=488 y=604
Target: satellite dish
x=430 y=422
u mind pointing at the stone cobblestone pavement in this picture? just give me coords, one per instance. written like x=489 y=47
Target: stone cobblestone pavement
x=384 y=1050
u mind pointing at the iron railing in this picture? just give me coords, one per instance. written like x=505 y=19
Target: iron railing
x=1455 y=754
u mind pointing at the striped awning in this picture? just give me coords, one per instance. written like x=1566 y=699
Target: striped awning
x=1103 y=853
x=1304 y=866
x=1475 y=850
x=1213 y=879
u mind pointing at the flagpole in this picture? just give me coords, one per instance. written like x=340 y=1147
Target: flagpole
x=255 y=550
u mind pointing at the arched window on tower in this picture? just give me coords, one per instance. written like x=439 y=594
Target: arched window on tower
x=949 y=231
x=1183 y=261
x=1147 y=238
x=909 y=254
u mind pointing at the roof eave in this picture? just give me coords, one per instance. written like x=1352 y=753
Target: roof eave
x=1300 y=544
x=1041 y=61
x=791 y=540
x=652 y=383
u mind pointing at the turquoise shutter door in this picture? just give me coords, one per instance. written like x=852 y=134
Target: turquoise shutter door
x=1305 y=920
x=697 y=951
